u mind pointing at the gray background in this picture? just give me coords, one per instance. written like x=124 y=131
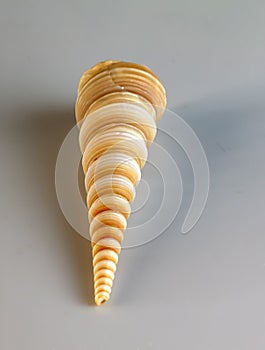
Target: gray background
x=204 y=290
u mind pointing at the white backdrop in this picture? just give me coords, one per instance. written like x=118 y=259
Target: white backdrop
x=203 y=290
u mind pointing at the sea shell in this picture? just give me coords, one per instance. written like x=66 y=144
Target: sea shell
x=117 y=108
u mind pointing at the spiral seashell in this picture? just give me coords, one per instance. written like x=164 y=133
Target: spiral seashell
x=117 y=108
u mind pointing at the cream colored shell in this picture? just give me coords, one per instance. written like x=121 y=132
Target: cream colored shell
x=117 y=108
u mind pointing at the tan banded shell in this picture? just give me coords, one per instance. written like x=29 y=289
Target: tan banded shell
x=117 y=108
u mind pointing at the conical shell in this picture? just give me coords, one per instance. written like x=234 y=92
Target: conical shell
x=117 y=108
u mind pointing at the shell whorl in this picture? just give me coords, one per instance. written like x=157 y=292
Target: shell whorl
x=117 y=108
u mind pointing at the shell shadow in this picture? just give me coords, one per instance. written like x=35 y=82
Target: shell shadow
x=42 y=132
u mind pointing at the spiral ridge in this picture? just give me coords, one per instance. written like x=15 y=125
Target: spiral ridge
x=117 y=108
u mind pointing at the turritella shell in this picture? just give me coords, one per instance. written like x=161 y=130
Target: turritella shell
x=117 y=109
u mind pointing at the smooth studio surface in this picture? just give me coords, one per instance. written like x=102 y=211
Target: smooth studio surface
x=203 y=290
